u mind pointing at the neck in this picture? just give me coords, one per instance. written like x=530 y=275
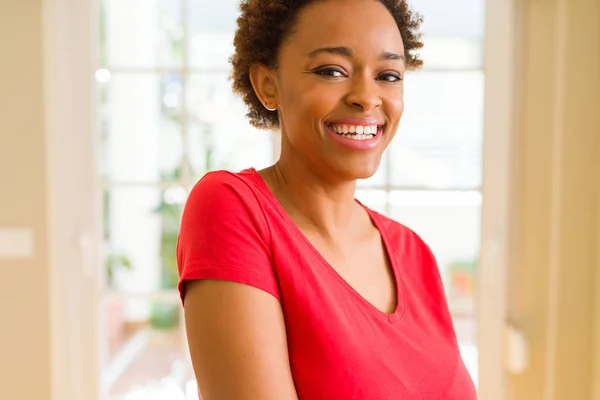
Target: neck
x=313 y=201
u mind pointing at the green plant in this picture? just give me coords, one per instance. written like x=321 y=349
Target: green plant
x=164 y=315
x=170 y=214
x=463 y=276
x=113 y=262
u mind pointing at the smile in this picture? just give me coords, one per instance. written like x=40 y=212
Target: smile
x=356 y=132
x=356 y=137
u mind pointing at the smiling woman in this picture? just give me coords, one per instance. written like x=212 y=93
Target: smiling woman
x=292 y=289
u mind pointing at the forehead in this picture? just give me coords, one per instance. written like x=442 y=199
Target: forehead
x=364 y=25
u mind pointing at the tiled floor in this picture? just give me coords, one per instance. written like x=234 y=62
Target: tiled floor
x=155 y=361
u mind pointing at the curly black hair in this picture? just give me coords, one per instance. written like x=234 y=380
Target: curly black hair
x=264 y=25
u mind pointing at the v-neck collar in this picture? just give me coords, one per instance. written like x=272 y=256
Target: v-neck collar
x=400 y=309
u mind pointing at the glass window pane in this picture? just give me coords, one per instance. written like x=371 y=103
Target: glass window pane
x=451 y=53
x=376 y=200
x=141 y=229
x=141 y=123
x=449 y=222
x=451 y=18
x=212 y=25
x=141 y=33
x=220 y=136
x=439 y=142
x=144 y=354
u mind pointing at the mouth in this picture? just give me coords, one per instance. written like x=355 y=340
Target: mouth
x=356 y=132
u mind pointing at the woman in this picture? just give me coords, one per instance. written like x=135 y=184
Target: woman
x=291 y=288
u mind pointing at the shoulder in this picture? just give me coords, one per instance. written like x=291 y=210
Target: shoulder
x=223 y=182
x=226 y=200
x=225 y=191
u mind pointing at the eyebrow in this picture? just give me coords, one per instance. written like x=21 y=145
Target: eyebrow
x=339 y=50
x=348 y=52
x=386 y=55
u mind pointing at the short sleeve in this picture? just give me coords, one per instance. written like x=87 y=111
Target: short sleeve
x=224 y=235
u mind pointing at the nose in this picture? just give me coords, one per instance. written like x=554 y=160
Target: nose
x=363 y=94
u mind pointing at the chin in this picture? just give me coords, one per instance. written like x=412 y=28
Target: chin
x=365 y=174
x=362 y=171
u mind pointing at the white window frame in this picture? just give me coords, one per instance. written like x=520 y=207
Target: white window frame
x=70 y=52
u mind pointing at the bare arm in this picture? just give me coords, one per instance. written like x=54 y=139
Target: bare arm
x=237 y=341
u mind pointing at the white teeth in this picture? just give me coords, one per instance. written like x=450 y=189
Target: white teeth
x=356 y=132
x=359 y=137
x=358 y=129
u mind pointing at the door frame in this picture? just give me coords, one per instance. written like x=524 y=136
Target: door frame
x=73 y=201
x=499 y=191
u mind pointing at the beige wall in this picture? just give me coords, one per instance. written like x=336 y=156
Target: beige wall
x=24 y=312
x=553 y=281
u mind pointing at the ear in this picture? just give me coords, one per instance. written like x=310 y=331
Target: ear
x=264 y=82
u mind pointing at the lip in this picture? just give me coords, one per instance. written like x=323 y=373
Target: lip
x=353 y=144
x=356 y=121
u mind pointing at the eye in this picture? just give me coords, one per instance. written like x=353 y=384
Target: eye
x=390 y=77
x=330 y=72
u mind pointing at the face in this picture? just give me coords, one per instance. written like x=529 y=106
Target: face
x=338 y=87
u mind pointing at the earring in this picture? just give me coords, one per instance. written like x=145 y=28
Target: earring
x=270 y=109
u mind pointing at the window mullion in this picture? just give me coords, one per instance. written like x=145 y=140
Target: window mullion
x=186 y=173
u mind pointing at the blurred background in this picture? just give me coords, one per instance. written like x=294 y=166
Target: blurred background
x=111 y=110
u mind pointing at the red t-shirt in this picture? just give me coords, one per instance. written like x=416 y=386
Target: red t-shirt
x=340 y=345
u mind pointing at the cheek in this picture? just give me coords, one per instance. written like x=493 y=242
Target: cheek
x=394 y=111
x=395 y=107
x=310 y=101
